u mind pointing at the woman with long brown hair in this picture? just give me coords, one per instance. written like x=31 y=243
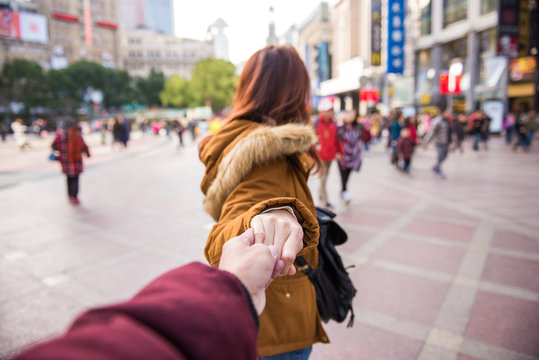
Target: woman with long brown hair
x=70 y=144
x=257 y=166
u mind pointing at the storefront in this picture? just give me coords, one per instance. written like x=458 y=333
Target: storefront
x=521 y=88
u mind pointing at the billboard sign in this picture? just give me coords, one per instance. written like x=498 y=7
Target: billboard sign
x=33 y=27
x=9 y=24
x=395 y=36
x=522 y=69
x=376 y=40
x=508 y=27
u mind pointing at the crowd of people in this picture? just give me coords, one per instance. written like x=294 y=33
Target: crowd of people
x=345 y=136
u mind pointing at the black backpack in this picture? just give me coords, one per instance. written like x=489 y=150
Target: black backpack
x=334 y=289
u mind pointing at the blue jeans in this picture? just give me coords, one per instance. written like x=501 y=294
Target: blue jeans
x=442 y=150
x=529 y=138
x=302 y=354
x=477 y=139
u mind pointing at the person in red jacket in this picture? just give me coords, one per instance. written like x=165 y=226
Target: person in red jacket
x=192 y=312
x=328 y=145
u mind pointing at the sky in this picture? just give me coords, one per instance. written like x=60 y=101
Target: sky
x=247 y=20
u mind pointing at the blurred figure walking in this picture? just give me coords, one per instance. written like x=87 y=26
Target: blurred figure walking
x=328 y=145
x=441 y=133
x=405 y=149
x=460 y=127
x=70 y=144
x=19 y=132
x=350 y=139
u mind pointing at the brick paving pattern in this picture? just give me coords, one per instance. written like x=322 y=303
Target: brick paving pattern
x=444 y=269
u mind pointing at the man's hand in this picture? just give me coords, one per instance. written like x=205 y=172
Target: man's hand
x=252 y=263
x=281 y=229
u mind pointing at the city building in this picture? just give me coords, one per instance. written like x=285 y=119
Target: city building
x=220 y=41
x=350 y=53
x=465 y=49
x=144 y=50
x=290 y=37
x=156 y=15
x=314 y=46
x=55 y=33
x=272 y=38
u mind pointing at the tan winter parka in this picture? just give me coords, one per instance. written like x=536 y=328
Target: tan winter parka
x=251 y=167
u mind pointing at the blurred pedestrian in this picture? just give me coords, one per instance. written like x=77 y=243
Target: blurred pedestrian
x=4 y=128
x=70 y=144
x=350 y=141
x=531 y=128
x=328 y=145
x=179 y=315
x=509 y=122
x=395 y=128
x=459 y=127
x=521 y=131
x=485 y=129
x=19 y=132
x=441 y=134
x=192 y=126
x=180 y=129
x=405 y=149
x=257 y=167
x=475 y=124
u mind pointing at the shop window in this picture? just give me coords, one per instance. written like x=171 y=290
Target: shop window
x=488 y=6
x=455 y=10
x=426 y=17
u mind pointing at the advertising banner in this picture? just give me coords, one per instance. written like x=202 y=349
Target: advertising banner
x=395 y=36
x=522 y=69
x=494 y=110
x=33 y=27
x=508 y=28
x=376 y=40
x=9 y=24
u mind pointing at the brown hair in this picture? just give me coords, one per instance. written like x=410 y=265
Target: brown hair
x=274 y=88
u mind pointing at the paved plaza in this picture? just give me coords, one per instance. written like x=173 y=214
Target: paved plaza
x=445 y=269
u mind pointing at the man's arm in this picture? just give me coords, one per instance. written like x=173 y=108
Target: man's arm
x=192 y=312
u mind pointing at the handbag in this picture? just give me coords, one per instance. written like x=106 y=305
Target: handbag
x=334 y=288
x=54 y=156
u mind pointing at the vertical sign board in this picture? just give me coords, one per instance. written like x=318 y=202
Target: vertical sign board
x=508 y=28
x=395 y=36
x=376 y=40
x=323 y=61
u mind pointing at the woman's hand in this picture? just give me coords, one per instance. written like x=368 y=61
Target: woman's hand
x=281 y=229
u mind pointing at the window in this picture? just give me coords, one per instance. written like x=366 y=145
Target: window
x=454 y=10
x=488 y=6
x=487 y=41
x=454 y=51
x=426 y=17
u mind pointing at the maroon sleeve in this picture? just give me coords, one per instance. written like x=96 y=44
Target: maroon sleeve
x=192 y=312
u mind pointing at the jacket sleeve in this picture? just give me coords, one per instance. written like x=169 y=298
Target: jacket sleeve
x=263 y=188
x=223 y=231
x=191 y=312
x=85 y=147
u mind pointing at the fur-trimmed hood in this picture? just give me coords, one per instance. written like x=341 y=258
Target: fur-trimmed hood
x=242 y=145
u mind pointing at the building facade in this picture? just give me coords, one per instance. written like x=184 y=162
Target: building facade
x=59 y=32
x=144 y=50
x=468 y=52
x=314 y=45
x=156 y=15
